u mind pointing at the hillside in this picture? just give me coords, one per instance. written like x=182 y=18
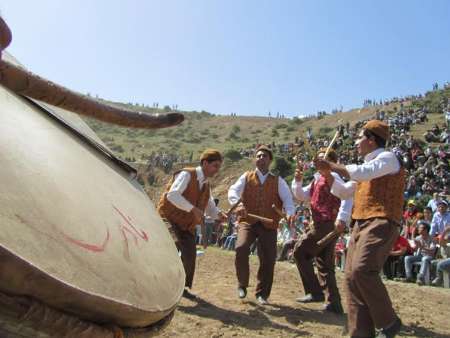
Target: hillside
x=202 y=129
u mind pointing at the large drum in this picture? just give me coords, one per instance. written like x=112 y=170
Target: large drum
x=78 y=233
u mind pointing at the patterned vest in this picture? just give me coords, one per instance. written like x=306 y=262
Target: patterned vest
x=258 y=198
x=324 y=205
x=380 y=197
x=198 y=198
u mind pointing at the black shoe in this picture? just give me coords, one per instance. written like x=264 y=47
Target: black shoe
x=242 y=292
x=188 y=295
x=335 y=307
x=261 y=300
x=309 y=298
x=391 y=331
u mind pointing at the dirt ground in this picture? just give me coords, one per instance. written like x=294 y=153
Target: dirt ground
x=219 y=313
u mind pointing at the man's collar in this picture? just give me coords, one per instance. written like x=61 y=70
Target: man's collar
x=200 y=175
x=261 y=174
x=373 y=154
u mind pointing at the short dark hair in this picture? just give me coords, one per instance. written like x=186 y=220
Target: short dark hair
x=381 y=142
x=425 y=224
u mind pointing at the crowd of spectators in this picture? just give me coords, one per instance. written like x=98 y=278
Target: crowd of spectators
x=421 y=251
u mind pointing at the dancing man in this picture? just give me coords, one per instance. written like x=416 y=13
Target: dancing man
x=328 y=212
x=259 y=190
x=183 y=205
x=377 y=187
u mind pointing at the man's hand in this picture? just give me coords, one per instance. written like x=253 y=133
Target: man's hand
x=340 y=226
x=299 y=171
x=221 y=216
x=198 y=215
x=322 y=165
x=241 y=211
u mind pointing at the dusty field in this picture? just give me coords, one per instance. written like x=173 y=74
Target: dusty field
x=219 y=313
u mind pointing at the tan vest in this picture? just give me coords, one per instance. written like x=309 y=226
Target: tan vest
x=258 y=198
x=198 y=198
x=380 y=197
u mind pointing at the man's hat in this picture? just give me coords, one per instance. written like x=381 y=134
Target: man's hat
x=211 y=155
x=266 y=149
x=378 y=128
x=444 y=202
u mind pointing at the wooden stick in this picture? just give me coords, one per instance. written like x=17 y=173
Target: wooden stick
x=333 y=141
x=278 y=211
x=260 y=218
x=328 y=238
x=235 y=205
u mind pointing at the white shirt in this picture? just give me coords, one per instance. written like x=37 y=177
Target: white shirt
x=179 y=185
x=376 y=164
x=304 y=194
x=236 y=190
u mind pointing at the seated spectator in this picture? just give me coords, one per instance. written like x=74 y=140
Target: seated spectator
x=288 y=242
x=443 y=265
x=425 y=247
x=410 y=228
x=400 y=249
x=231 y=240
x=440 y=219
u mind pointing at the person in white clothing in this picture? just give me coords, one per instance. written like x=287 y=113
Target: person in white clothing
x=258 y=191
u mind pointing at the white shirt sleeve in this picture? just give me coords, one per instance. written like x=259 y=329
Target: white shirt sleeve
x=286 y=196
x=384 y=164
x=345 y=209
x=301 y=193
x=179 y=185
x=236 y=190
x=342 y=190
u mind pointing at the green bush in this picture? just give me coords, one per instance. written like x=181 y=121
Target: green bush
x=281 y=126
x=282 y=167
x=232 y=154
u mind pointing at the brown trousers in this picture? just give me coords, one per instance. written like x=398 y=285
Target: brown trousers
x=368 y=302
x=185 y=242
x=305 y=251
x=267 y=253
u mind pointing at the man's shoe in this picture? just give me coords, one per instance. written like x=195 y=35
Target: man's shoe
x=261 y=300
x=242 y=292
x=438 y=281
x=419 y=280
x=188 y=295
x=335 y=307
x=309 y=298
x=409 y=280
x=391 y=331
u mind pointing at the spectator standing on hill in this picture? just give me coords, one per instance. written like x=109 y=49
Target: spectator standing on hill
x=259 y=190
x=328 y=213
x=377 y=188
x=183 y=205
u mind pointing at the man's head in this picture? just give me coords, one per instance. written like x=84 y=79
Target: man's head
x=211 y=161
x=263 y=158
x=331 y=156
x=442 y=206
x=424 y=228
x=427 y=212
x=373 y=135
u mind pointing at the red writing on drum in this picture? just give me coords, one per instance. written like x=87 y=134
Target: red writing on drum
x=126 y=228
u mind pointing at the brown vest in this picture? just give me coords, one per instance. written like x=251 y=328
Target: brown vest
x=198 y=198
x=380 y=197
x=258 y=198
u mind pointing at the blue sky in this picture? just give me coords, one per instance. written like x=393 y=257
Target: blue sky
x=248 y=57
